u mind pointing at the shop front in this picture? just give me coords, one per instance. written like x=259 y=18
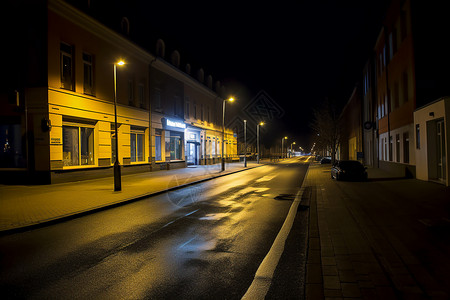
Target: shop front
x=171 y=139
x=193 y=146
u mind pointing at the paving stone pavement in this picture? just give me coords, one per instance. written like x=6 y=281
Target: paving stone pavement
x=350 y=256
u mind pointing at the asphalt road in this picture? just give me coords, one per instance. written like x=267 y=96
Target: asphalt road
x=205 y=241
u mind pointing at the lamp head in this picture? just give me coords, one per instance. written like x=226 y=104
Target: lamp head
x=120 y=63
x=231 y=99
x=262 y=123
x=285 y=137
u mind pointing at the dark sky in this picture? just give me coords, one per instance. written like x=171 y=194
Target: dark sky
x=299 y=53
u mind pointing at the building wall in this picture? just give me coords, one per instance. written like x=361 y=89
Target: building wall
x=351 y=118
x=425 y=151
x=93 y=109
x=394 y=61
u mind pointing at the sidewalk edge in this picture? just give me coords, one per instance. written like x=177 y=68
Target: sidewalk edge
x=95 y=209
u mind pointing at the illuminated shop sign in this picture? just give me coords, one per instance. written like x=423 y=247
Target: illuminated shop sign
x=176 y=124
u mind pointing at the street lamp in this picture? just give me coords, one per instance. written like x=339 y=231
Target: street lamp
x=290 y=154
x=257 y=139
x=245 y=143
x=231 y=99
x=117 y=175
x=282 y=143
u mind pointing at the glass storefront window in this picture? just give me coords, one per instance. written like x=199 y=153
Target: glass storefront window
x=70 y=146
x=158 y=148
x=137 y=146
x=12 y=144
x=87 y=146
x=175 y=148
x=78 y=146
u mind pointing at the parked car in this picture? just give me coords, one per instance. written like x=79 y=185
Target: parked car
x=326 y=160
x=349 y=170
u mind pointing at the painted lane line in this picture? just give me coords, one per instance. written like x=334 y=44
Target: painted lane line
x=264 y=275
x=184 y=244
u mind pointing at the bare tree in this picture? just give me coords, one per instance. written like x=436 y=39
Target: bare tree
x=327 y=127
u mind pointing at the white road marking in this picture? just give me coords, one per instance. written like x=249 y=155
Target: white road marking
x=264 y=275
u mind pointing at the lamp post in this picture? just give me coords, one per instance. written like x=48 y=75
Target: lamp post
x=117 y=175
x=293 y=143
x=245 y=143
x=231 y=99
x=257 y=139
x=282 y=143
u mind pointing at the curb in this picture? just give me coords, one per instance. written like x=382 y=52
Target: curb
x=77 y=214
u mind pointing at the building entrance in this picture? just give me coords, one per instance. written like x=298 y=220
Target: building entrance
x=441 y=163
x=192 y=153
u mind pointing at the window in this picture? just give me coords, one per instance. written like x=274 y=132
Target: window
x=186 y=110
x=125 y=24
x=405 y=87
x=130 y=92
x=157 y=94
x=417 y=136
x=141 y=95
x=137 y=145
x=158 y=145
x=202 y=117
x=395 y=103
x=403 y=31
x=397 y=147
x=177 y=107
x=406 y=147
x=391 y=146
x=195 y=110
x=78 y=146
x=66 y=67
x=385 y=105
x=88 y=74
x=175 y=145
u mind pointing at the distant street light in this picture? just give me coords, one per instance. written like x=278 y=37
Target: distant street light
x=231 y=99
x=293 y=143
x=282 y=143
x=257 y=139
x=117 y=175
x=245 y=143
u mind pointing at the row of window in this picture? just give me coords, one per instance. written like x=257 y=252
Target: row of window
x=78 y=145
x=399 y=95
x=68 y=79
x=394 y=42
x=202 y=114
x=401 y=145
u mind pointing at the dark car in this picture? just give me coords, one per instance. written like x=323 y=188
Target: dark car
x=348 y=170
x=326 y=160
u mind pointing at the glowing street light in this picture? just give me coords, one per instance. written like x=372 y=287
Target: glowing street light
x=117 y=175
x=293 y=143
x=257 y=139
x=282 y=143
x=231 y=99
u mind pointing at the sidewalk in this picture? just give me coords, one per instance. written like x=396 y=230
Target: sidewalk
x=369 y=240
x=25 y=206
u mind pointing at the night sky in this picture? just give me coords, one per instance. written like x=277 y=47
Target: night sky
x=297 y=53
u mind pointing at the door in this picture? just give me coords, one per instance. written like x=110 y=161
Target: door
x=441 y=159
x=192 y=154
